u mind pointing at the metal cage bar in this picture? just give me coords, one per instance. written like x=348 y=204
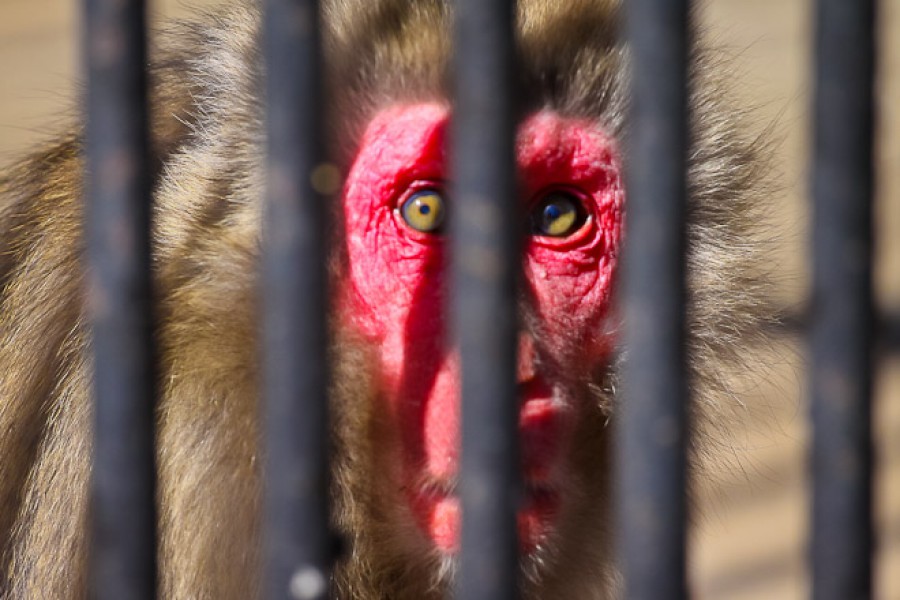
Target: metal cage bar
x=652 y=430
x=123 y=525
x=298 y=544
x=485 y=270
x=841 y=334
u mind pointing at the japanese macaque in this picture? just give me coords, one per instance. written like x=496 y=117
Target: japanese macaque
x=396 y=382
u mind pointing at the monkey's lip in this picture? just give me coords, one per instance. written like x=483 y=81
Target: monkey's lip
x=541 y=424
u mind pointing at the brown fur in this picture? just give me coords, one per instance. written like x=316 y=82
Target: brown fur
x=208 y=137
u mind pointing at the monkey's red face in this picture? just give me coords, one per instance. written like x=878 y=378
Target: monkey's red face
x=571 y=208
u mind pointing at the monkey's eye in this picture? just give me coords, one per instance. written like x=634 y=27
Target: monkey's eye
x=424 y=210
x=559 y=214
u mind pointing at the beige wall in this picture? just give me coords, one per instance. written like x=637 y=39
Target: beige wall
x=39 y=64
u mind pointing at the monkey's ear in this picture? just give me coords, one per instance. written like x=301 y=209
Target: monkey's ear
x=203 y=68
x=172 y=110
x=177 y=78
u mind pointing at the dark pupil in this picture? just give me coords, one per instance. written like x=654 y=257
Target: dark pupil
x=424 y=209
x=552 y=212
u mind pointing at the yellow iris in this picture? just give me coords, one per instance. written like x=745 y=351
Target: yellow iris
x=424 y=211
x=557 y=216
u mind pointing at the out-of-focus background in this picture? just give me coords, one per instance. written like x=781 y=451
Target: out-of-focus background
x=749 y=537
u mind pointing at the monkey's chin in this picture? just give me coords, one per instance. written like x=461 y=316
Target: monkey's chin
x=438 y=515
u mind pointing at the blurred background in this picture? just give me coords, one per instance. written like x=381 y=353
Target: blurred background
x=748 y=539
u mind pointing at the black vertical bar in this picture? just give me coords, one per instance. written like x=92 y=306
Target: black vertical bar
x=298 y=545
x=123 y=554
x=841 y=336
x=485 y=270
x=652 y=430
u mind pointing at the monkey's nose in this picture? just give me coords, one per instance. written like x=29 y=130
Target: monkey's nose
x=526 y=369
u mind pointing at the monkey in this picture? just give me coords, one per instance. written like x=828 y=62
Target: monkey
x=395 y=382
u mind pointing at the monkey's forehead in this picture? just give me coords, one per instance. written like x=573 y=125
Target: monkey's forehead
x=408 y=142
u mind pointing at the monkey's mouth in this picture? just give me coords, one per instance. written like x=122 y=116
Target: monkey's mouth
x=542 y=424
x=438 y=513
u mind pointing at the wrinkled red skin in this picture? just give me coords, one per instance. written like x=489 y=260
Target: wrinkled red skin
x=395 y=297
